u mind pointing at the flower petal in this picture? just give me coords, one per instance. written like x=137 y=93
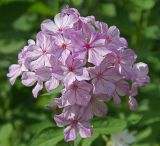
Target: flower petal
x=37 y=88
x=85 y=130
x=49 y=26
x=51 y=84
x=70 y=133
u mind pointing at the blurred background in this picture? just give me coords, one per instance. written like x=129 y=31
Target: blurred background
x=22 y=117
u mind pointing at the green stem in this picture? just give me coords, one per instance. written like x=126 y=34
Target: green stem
x=72 y=143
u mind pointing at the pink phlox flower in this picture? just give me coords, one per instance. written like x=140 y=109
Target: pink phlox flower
x=122 y=88
x=139 y=78
x=63 y=47
x=96 y=106
x=124 y=60
x=60 y=24
x=74 y=124
x=112 y=36
x=133 y=104
x=91 y=43
x=55 y=73
x=103 y=79
x=77 y=93
x=16 y=70
x=84 y=20
x=22 y=56
x=73 y=69
x=39 y=76
x=70 y=11
x=140 y=74
x=41 y=53
x=88 y=20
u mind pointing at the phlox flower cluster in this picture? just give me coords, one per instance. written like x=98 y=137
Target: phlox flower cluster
x=92 y=62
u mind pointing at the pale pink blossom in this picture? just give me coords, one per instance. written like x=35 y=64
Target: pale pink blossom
x=74 y=123
x=124 y=60
x=55 y=73
x=74 y=70
x=41 y=52
x=140 y=74
x=103 y=79
x=90 y=43
x=14 y=72
x=96 y=106
x=122 y=88
x=77 y=93
x=133 y=104
x=37 y=77
x=62 y=48
x=60 y=24
x=112 y=36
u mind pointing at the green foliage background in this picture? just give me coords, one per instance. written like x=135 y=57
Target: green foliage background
x=24 y=121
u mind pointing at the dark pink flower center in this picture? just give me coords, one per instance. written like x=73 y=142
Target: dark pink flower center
x=118 y=60
x=60 y=29
x=87 y=46
x=75 y=87
x=71 y=69
x=74 y=122
x=44 y=51
x=99 y=75
x=109 y=40
x=64 y=46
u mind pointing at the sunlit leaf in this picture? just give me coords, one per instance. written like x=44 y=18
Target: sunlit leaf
x=5 y=132
x=77 y=2
x=109 y=9
x=144 y=4
x=89 y=141
x=47 y=137
x=108 y=125
x=41 y=8
x=152 y=32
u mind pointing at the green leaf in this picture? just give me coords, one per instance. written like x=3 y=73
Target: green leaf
x=78 y=141
x=89 y=141
x=108 y=125
x=36 y=128
x=54 y=92
x=99 y=141
x=144 y=4
x=134 y=118
x=151 y=120
x=63 y=143
x=5 y=132
x=135 y=16
x=47 y=137
x=143 y=134
x=109 y=10
x=152 y=32
x=41 y=8
x=10 y=46
x=25 y=22
x=77 y=2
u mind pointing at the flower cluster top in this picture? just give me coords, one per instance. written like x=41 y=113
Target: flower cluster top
x=90 y=60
